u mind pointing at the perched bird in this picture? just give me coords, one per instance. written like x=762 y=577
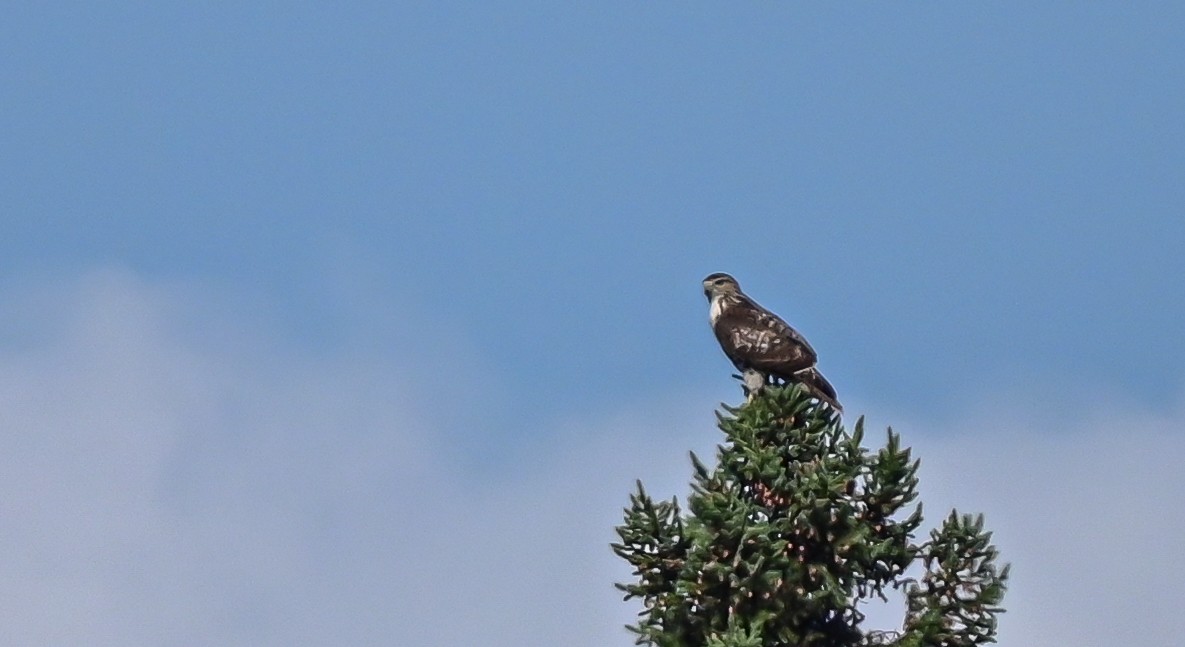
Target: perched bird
x=759 y=343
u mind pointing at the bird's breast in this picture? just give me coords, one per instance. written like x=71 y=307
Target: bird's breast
x=715 y=310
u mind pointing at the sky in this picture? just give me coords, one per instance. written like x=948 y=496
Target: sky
x=355 y=323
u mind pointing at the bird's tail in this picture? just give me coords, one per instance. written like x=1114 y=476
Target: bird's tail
x=818 y=386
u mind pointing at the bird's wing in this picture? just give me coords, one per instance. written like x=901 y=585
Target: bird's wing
x=754 y=337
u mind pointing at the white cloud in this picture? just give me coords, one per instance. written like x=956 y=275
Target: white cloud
x=170 y=476
x=1084 y=506
x=165 y=483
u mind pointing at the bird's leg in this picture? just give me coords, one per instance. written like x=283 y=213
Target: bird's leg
x=754 y=382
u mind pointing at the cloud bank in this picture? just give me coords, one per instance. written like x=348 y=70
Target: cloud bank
x=1083 y=502
x=171 y=475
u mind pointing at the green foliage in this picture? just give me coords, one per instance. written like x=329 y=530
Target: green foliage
x=795 y=525
x=956 y=601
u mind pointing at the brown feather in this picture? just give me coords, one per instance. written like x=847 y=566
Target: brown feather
x=818 y=386
x=753 y=337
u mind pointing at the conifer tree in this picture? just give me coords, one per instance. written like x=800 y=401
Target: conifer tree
x=794 y=526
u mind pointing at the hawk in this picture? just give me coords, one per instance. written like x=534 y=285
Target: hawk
x=759 y=343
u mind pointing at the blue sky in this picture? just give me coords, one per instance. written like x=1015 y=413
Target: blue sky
x=478 y=231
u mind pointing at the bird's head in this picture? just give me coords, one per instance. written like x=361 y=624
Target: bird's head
x=720 y=284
